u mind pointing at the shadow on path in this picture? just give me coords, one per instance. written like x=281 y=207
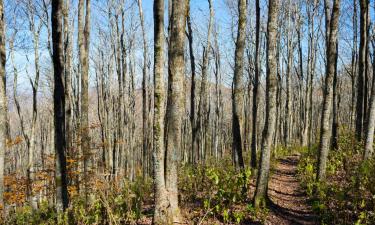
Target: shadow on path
x=288 y=203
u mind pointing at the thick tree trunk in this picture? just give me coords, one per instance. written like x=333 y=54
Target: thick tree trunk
x=238 y=86
x=161 y=203
x=269 y=126
x=62 y=200
x=174 y=110
x=325 y=126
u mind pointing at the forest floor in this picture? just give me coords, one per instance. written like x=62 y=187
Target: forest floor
x=288 y=203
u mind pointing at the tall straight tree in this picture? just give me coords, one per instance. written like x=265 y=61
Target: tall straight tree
x=3 y=102
x=166 y=209
x=161 y=203
x=192 y=88
x=145 y=139
x=369 y=138
x=256 y=88
x=62 y=200
x=269 y=126
x=361 y=69
x=325 y=126
x=84 y=43
x=238 y=85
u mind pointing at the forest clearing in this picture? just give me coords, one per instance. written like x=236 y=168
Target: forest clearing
x=201 y=112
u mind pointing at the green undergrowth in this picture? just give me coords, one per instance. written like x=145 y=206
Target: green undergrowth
x=220 y=191
x=348 y=194
x=115 y=205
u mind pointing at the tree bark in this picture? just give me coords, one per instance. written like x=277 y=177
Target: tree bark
x=238 y=86
x=3 y=105
x=325 y=126
x=255 y=89
x=269 y=127
x=84 y=43
x=62 y=199
x=361 y=70
x=369 y=138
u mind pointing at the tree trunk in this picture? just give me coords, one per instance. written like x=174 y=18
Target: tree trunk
x=361 y=69
x=144 y=93
x=161 y=203
x=192 y=89
x=371 y=116
x=255 y=89
x=84 y=43
x=3 y=104
x=62 y=200
x=269 y=126
x=325 y=131
x=238 y=86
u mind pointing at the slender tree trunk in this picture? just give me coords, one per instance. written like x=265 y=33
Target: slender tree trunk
x=238 y=86
x=192 y=90
x=144 y=92
x=255 y=89
x=335 y=111
x=361 y=70
x=84 y=43
x=269 y=126
x=354 y=65
x=288 y=103
x=325 y=126
x=3 y=105
x=371 y=117
x=62 y=200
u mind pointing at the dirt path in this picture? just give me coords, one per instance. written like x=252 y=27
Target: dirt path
x=288 y=200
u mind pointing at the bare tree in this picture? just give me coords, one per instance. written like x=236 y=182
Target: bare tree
x=369 y=135
x=256 y=88
x=3 y=103
x=62 y=199
x=361 y=69
x=238 y=86
x=174 y=109
x=161 y=202
x=145 y=141
x=269 y=126
x=84 y=43
x=325 y=129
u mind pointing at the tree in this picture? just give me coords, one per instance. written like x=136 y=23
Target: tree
x=62 y=200
x=165 y=164
x=3 y=103
x=361 y=69
x=238 y=86
x=161 y=203
x=84 y=43
x=145 y=141
x=369 y=135
x=269 y=126
x=255 y=89
x=325 y=127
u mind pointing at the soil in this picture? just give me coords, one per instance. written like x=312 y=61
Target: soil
x=288 y=201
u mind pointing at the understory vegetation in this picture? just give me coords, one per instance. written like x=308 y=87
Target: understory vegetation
x=209 y=193
x=347 y=196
